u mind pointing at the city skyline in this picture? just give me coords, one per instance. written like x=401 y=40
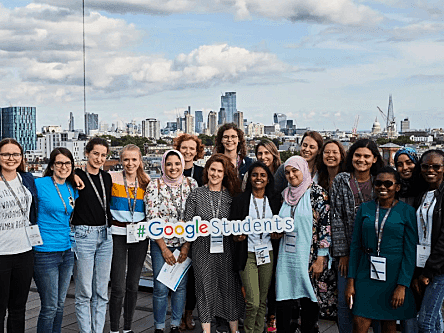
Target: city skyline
x=321 y=63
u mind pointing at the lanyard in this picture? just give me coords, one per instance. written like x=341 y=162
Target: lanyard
x=361 y=196
x=103 y=199
x=257 y=209
x=174 y=200
x=192 y=171
x=71 y=197
x=128 y=196
x=380 y=231
x=216 y=212
x=15 y=195
x=263 y=207
x=421 y=216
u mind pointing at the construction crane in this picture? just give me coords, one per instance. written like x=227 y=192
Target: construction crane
x=389 y=119
x=355 y=127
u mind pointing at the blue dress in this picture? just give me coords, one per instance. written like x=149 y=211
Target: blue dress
x=373 y=298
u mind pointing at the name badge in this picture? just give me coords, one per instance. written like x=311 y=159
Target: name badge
x=33 y=233
x=262 y=254
x=290 y=242
x=131 y=233
x=217 y=244
x=422 y=254
x=378 y=268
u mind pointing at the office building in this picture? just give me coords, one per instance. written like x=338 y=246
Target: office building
x=212 y=122
x=91 y=122
x=228 y=103
x=20 y=123
x=189 y=124
x=71 y=122
x=151 y=128
x=198 y=125
x=405 y=125
x=238 y=119
x=281 y=119
x=222 y=117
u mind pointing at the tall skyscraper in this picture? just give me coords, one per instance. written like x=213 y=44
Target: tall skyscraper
x=228 y=102
x=20 y=123
x=198 y=126
x=281 y=119
x=189 y=124
x=151 y=128
x=222 y=117
x=238 y=119
x=91 y=122
x=405 y=125
x=71 y=122
x=212 y=122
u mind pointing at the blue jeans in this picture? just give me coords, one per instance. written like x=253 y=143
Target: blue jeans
x=93 y=247
x=160 y=292
x=52 y=275
x=345 y=315
x=430 y=318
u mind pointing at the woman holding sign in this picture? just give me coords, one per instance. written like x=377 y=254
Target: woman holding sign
x=165 y=198
x=54 y=260
x=430 y=258
x=127 y=208
x=382 y=258
x=254 y=253
x=218 y=287
x=303 y=252
x=17 y=197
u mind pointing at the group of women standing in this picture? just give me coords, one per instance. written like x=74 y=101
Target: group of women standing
x=367 y=245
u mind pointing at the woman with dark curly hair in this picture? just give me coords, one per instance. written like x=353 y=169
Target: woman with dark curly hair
x=192 y=149
x=349 y=190
x=230 y=141
x=218 y=287
x=331 y=163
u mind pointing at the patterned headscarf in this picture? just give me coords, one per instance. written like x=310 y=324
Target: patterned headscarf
x=292 y=194
x=410 y=152
x=172 y=182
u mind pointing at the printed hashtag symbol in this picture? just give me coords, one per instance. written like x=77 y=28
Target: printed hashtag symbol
x=141 y=231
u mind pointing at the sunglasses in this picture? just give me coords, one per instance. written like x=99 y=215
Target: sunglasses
x=386 y=183
x=427 y=167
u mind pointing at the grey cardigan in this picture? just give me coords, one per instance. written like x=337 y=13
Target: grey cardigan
x=342 y=208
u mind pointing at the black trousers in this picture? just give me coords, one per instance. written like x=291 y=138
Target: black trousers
x=125 y=281
x=15 y=280
x=309 y=313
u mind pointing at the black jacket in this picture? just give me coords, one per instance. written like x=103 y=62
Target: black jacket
x=435 y=264
x=239 y=210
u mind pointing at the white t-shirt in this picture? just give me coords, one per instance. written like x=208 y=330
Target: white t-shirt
x=255 y=239
x=427 y=207
x=13 y=238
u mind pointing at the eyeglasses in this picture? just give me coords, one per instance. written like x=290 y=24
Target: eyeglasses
x=228 y=137
x=427 y=167
x=386 y=183
x=7 y=156
x=59 y=164
x=328 y=152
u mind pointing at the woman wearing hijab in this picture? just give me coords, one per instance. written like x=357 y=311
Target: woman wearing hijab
x=305 y=257
x=407 y=165
x=165 y=199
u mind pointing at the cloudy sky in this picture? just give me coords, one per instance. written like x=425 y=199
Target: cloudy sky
x=321 y=62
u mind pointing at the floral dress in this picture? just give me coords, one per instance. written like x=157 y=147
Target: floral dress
x=161 y=201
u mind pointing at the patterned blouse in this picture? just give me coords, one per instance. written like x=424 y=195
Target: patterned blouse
x=162 y=201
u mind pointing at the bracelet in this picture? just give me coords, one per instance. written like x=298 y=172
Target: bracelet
x=165 y=250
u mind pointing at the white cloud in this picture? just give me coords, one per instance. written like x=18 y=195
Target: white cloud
x=344 y=12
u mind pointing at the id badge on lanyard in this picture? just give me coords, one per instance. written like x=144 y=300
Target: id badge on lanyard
x=262 y=254
x=290 y=242
x=422 y=254
x=131 y=233
x=216 y=244
x=33 y=233
x=378 y=266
